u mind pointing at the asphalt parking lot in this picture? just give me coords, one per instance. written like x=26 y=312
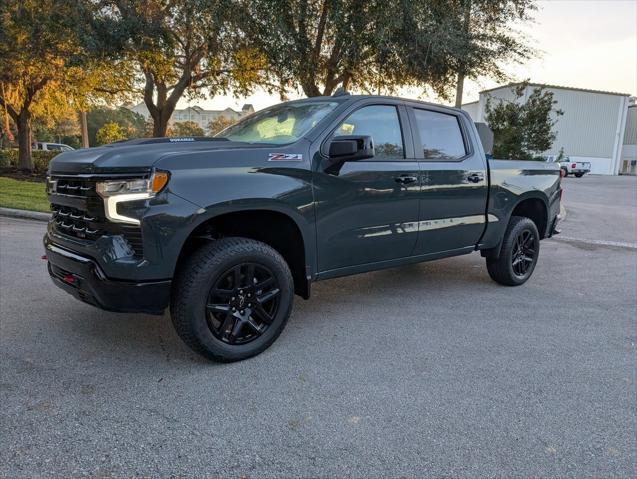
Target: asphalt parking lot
x=423 y=371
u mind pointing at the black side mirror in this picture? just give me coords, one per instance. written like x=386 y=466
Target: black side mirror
x=351 y=148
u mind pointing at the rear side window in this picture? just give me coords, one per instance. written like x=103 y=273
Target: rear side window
x=440 y=135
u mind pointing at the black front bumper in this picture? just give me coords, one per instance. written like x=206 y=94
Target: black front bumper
x=83 y=278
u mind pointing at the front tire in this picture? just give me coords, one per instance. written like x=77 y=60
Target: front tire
x=579 y=175
x=519 y=253
x=232 y=298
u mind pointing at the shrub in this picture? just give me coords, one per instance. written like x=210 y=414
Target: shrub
x=41 y=159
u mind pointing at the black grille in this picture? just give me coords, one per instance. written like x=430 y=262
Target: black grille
x=78 y=212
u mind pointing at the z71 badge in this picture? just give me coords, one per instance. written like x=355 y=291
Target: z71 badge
x=285 y=157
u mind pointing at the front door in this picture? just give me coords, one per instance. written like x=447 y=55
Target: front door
x=368 y=210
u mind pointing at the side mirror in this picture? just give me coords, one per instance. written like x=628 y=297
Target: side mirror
x=351 y=148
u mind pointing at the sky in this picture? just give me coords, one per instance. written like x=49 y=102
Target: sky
x=581 y=43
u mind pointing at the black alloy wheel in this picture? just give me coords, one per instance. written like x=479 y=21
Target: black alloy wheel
x=242 y=303
x=518 y=255
x=523 y=253
x=231 y=298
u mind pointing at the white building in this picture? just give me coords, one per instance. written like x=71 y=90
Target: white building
x=197 y=114
x=629 y=149
x=592 y=128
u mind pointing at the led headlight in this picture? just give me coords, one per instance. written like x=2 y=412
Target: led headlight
x=119 y=191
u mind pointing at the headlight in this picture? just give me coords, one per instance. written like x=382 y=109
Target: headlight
x=119 y=191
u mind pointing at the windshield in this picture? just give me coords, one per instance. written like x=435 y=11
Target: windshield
x=279 y=124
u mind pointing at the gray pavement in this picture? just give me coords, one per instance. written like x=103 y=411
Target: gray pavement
x=430 y=370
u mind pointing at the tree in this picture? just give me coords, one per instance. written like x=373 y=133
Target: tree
x=219 y=124
x=181 y=47
x=487 y=40
x=522 y=129
x=109 y=133
x=187 y=128
x=376 y=46
x=133 y=124
x=35 y=43
x=50 y=67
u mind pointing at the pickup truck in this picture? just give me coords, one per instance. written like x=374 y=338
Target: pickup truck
x=570 y=167
x=226 y=230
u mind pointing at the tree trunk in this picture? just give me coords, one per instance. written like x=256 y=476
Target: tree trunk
x=466 y=23
x=25 y=161
x=84 y=124
x=459 y=89
x=160 y=121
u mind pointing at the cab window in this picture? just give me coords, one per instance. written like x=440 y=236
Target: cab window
x=440 y=135
x=382 y=124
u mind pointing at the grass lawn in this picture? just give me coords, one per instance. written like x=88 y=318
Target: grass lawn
x=23 y=195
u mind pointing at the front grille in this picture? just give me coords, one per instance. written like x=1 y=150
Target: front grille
x=78 y=212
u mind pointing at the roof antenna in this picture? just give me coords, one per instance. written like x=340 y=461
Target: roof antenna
x=340 y=91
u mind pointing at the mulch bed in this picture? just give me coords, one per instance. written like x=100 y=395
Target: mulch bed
x=22 y=175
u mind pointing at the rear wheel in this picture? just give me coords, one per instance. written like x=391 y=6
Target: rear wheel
x=232 y=299
x=519 y=253
x=564 y=172
x=579 y=175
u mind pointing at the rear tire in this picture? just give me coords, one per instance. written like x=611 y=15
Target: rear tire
x=519 y=253
x=579 y=175
x=564 y=172
x=232 y=298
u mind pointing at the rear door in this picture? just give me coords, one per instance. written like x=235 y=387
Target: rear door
x=454 y=183
x=367 y=211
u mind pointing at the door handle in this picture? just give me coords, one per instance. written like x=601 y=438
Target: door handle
x=405 y=179
x=475 y=177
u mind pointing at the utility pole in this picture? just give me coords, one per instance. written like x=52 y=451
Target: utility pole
x=461 y=73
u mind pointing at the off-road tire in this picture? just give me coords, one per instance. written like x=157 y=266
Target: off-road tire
x=196 y=277
x=501 y=269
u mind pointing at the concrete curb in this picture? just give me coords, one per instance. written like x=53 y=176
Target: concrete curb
x=25 y=214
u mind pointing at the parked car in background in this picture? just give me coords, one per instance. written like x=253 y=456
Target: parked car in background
x=570 y=167
x=41 y=145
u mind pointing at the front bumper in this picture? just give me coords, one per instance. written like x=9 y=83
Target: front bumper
x=82 y=277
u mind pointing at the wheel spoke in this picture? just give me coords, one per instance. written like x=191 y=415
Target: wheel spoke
x=226 y=325
x=265 y=297
x=254 y=326
x=236 y=329
x=218 y=308
x=265 y=283
x=249 y=275
x=236 y=275
x=221 y=293
x=262 y=314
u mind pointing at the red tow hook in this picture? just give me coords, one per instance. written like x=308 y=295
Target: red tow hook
x=68 y=278
x=43 y=257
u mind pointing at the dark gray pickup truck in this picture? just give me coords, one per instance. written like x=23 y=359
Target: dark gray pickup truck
x=226 y=230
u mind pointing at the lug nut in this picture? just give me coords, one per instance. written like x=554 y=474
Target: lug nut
x=234 y=309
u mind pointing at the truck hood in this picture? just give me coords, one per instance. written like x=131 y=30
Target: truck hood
x=134 y=155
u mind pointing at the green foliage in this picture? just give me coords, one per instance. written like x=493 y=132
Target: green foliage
x=23 y=195
x=41 y=159
x=219 y=124
x=187 y=128
x=133 y=124
x=182 y=47
x=522 y=130
x=109 y=133
x=377 y=46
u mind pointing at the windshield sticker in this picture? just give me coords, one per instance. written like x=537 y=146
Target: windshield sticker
x=285 y=157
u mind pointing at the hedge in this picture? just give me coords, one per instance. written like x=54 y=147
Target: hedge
x=41 y=158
